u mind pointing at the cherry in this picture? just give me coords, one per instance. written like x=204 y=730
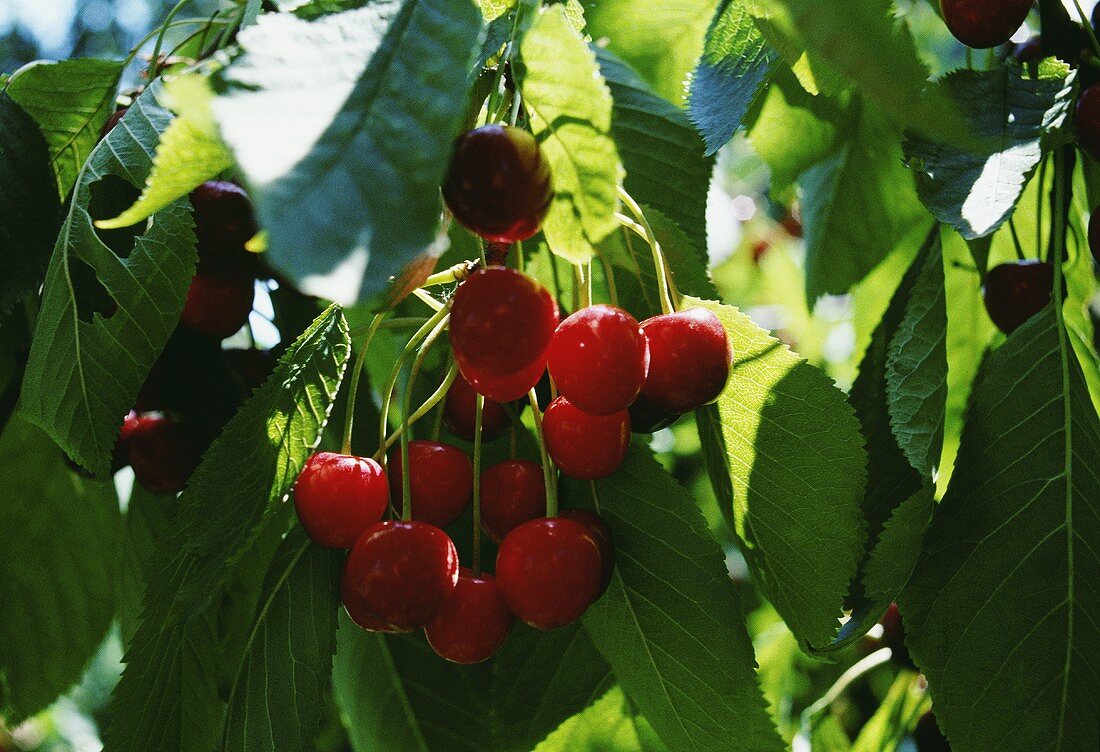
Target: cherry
x=472 y=623
x=1030 y=51
x=598 y=359
x=1087 y=120
x=1094 y=230
x=120 y=456
x=498 y=183
x=441 y=481
x=218 y=304
x=460 y=412
x=588 y=447
x=401 y=572
x=602 y=533
x=512 y=492
x=982 y=24
x=250 y=367
x=363 y=618
x=1017 y=291
x=928 y=736
x=893 y=636
x=501 y=323
x=112 y=121
x=549 y=571
x=646 y=417
x=512 y=386
x=689 y=359
x=338 y=497
x=224 y=222
x=163 y=453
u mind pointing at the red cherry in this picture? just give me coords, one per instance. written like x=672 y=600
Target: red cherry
x=401 y=572
x=1087 y=120
x=982 y=24
x=893 y=636
x=598 y=359
x=602 y=533
x=549 y=571
x=1094 y=230
x=498 y=184
x=460 y=413
x=249 y=367
x=224 y=222
x=472 y=623
x=646 y=417
x=1030 y=51
x=588 y=447
x=359 y=614
x=441 y=481
x=111 y=122
x=163 y=453
x=510 y=387
x=1015 y=292
x=512 y=492
x=338 y=497
x=689 y=359
x=501 y=323
x=218 y=304
x=120 y=456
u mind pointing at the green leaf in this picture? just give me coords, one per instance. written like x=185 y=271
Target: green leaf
x=175 y=660
x=59 y=536
x=735 y=67
x=346 y=181
x=661 y=152
x=904 y=704
x=794 y=455
x=569 y=108
x=662 y=41
x=608 y=725
x=189 y=153
x=858 y=205
x=71 y=101
x=30 y=212
x=977 y=191
x=1000 y=612
x=670 y=609
x=86 y=368
x=276 y=699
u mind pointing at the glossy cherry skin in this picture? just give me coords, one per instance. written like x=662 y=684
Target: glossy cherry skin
x=120 y=455
x=472 y=623
x=598 y=359
x=1087 y=120
x=363 y=617
x=549 y=571
x=163 y=453
x=982 y=24
x=646 y=417
x=588 y=447
x=401 y=572
x=1094 y=231
x=1015 y=292
x=893 y=636
x=338 y=496
x=501 y=323
x=441 y=481
x=510 y=387
x=224 y=222
x=512 y=492
x=602 y=533
x=218 y=304
x=1030 y=51
x=460 y=413
x=689 y=359
x=498 y=184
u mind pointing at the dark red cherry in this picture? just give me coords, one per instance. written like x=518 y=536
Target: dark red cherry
x=1030 y=51
x=512 y=492
x=460 y=413
x=501 y=323
x=1017 y=291
x=646 y=417
x=598 y=359
x=249 y=367
x=549 y=571
x=1094 y=230
x=498 y=184
x=163 y=453
x=338 y=496
x=928 y=736
x=441 y=481
x=893 y=637
x=472 y=623
x=120 y=456
x=689 y=359
x=112 y=122
x=224 y=222
x=401 y=572
x=218 y=304
x=585 y=446
x=1087 y=120
x=510 y=387
x=982 y=24
x=602 y=533
x=363 y=618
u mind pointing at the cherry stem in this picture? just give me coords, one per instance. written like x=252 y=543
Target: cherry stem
x=609 y=275
x=155 y=60
x=414 y=371
x=356 y=373
x=396 y=323
x=1088 y=27
x=437 y=396
x=476 y=563
x=519 y=256
x=547 y=465
x=1016 y=239
x=1039 y=207
x=857 y=670
x=457 y=273
x=664 y=282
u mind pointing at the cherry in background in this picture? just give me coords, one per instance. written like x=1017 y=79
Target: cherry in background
x=893 y=636
x=602 y=534
x=512 y=492
x=401 y=572
x=982 y=24
x=472 y=623
x=501 y=323
x=1087 y=120
x=163 y=453
x=1015 y=292
x=689 y=359
x=112 y=122
x=460 y=413
x=218 y=304
x=441 y=481
x=224 y=222
x=598 y=359
x=549 y=571
x=498 y=183
x=338 y=497
x=588 y=447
